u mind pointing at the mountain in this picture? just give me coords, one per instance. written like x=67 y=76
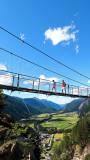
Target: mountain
x=43 y=104
x=15 y=107
x=53 y=105
x=74 y=105
x=39 y=105
x=81 y=106
x=20 y=108
x=84 y=107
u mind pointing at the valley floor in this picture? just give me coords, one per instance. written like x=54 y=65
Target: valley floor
x=51 y=128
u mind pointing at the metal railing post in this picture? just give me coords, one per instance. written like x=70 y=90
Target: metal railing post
x=87 y=91
x=13 y=81
x=18 y=81
x=33 y=85
x=72 y=90
x=49 y=87
x=78 y=90
x=68 y=88
x=39 y=84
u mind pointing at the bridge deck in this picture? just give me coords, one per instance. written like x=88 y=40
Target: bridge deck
x=41 y=91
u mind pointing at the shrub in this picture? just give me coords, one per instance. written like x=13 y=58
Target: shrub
x=87 y=157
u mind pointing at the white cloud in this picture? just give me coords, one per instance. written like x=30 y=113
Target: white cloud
x=59 y=35
x=56 y=99
x=36 y=82
x=88 y=81
x=83 y=87
x=77 y=48
x=22 y=36
x=6 y=79
x=75 y=91
x=48 y=78
x=79 y=90
x=43 y=80
x=3 y=67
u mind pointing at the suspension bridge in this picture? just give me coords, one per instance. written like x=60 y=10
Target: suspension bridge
x=26 y=83
x=19 y=82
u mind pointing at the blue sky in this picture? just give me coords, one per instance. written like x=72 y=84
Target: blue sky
x=43 y=23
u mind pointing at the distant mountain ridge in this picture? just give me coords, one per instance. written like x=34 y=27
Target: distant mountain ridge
x=35 y=102
x=82 y=106
x=20 y=108
x=74 y=105
x=55 y=105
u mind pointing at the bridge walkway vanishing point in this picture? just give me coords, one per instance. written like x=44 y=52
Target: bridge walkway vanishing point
x=18 y=82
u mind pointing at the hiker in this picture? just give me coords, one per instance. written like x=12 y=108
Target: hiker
x=54 y=86
x=63 y=86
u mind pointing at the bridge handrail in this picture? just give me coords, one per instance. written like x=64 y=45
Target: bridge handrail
x=27 y=77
